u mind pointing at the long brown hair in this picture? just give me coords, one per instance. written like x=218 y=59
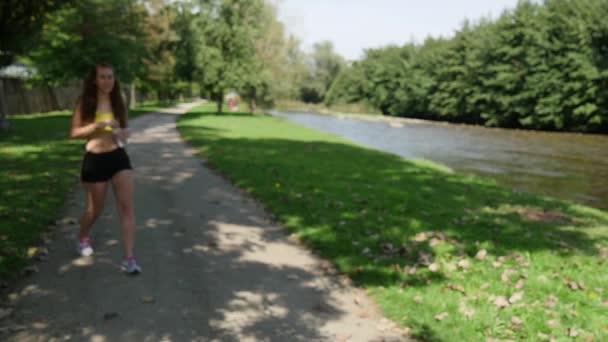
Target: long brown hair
x=88 y=98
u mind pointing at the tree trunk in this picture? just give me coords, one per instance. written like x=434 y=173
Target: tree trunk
x=53 y=98
x=4 y=125
x=132 y=97
x=252 y=100
x=220 y=101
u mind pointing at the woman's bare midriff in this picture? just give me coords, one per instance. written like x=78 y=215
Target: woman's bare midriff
x=101 y=142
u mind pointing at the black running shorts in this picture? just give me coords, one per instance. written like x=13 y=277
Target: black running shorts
x=101 y=167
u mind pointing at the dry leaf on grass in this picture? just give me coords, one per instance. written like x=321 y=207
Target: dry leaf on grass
x=441 y=316
x=466 y=311
x=457 y=288
x=464 y=264
x=434 y=267
x=574 y=285
x=421 y=237
x=552 y=323
x=506 y=275
x=572 y=332
x=516 y=297
x=551 y=301
x=481 y=254
x=500 y=302
x=516 y=322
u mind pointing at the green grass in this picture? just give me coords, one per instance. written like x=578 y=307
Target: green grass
x=386 y=221
x=39 y=164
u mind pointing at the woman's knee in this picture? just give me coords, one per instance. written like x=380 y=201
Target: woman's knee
x=126 y=209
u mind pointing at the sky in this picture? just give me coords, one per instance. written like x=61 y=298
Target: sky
x=353 y=25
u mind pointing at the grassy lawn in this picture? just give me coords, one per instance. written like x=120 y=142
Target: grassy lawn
x=449 y=256
x=39 y=164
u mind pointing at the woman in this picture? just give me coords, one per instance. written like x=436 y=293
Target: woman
x=100 y=117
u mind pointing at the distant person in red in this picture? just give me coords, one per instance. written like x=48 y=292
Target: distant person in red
x=233 y=104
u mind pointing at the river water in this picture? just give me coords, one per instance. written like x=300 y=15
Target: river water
x=563 y=165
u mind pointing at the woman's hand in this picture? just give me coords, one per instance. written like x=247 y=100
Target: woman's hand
x=109 y=125
x=122 y=134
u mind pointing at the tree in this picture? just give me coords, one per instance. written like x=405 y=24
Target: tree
x=89 y=31
x=226 y=31
x=183 y=47
x=324 y=66
x=20 y=23
x=160 y=38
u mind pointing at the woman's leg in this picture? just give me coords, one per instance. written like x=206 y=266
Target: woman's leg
x=96 y=194
x=122 y=183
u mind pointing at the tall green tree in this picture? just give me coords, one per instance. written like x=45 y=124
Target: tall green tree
x=86 y=32
x=226 y=32
x=183 y=47
x=160 y=38
x=20 y=25
x=324 y=66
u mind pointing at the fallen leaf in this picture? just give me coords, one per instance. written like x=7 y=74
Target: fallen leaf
x=501 y=302
x=418 y=299
x=516 y=297
x=441 y=316
x=572 y=332
x=520 y=284
x=421 y=237
x=32 y=252
x=434 y=267
x=516 y=322
x=573 y=285
x=481 y=254
x=466 y=311
x=551 y=301
x=148 y=299
x=506 y=275
x=496 y=264
x=457 y=288
x=464 y=264
x=435 y=242
x=552 y=323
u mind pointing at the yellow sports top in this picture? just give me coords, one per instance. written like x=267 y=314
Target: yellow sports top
x=104 y=117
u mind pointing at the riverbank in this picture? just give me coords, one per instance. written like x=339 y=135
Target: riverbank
x=40 y=165
x=451 y=257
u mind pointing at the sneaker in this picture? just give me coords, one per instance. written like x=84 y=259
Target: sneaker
x=130 y=266
x=84 y=247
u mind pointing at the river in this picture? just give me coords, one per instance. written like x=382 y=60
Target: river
x=563 y=165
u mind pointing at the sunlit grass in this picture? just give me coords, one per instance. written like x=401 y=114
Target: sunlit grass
x=451 y=257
